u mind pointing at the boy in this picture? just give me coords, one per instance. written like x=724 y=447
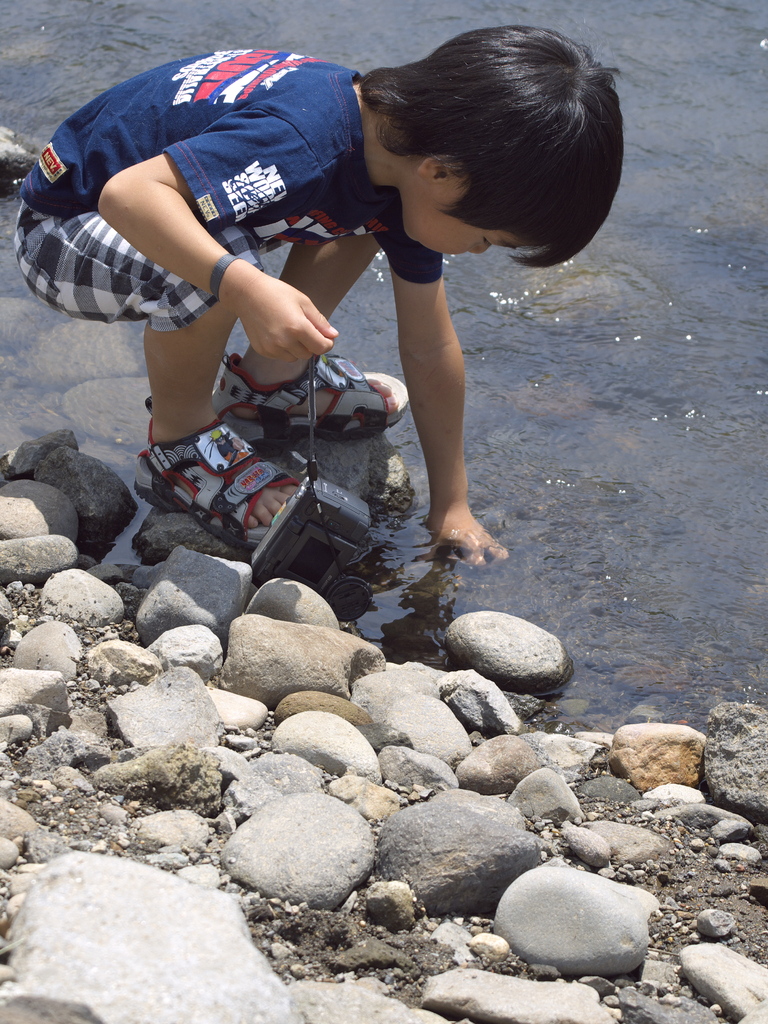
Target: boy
x=154 y=201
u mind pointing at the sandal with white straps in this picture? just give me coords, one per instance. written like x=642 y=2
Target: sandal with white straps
x=214 y=475
x=357 y=409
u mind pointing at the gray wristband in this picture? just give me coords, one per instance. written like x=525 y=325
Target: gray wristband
x=218 y=272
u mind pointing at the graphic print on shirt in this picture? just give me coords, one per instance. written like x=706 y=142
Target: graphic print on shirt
x=253 y=188
x=229 y=75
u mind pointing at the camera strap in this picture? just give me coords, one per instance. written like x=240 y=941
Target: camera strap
x=311 y=460
x=349 y=596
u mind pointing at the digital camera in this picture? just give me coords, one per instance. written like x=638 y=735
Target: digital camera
x=312 y=538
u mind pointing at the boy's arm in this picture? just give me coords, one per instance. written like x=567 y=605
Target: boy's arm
x=433 y=365
x=151 y=206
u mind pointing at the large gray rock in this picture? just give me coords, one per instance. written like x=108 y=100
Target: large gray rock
x=76 y=594
x=51 y=646
x=39 y=1010
x=575 y=921
x=371 y=468
x=174 y=708
x=431 y=727
x=556 y=750
x=66 y=749
x=174 y=951
x=34 y=559
x=247 y=795
x=705 y=816
x=378 y=690
x=303 y=848
x=24 y=460
x=287 y=773
x=512 y=652
x=631 y=844
x=31 y=686
x=725 y=977
x=457 y=857
x=172 y=828
x=736 y=759
x=639 y=1009
x=268 y=659
x=162 y=532
x=482 y=996
x=325 y=1002
x=104 y=504
x=193 y=589
x=29 y=508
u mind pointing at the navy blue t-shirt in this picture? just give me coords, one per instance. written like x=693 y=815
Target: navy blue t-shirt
x=268 y=140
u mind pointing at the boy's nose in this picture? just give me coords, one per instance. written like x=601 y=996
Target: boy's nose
x=480 y=247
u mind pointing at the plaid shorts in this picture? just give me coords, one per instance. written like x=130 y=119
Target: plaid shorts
x=84 y=268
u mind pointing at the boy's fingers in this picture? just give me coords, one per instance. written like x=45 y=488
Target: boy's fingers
x=319 y=322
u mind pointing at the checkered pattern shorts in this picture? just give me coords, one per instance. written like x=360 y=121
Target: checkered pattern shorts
x=82 y=267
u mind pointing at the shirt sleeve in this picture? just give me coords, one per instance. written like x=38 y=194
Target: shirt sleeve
x=409 y=259
x=249 y=165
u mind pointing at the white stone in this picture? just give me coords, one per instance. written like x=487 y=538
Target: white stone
x=329 y=742
x=238 y=712
x=172 y=828
x=497 y=999
x=174 y=952
x=76 y=594
x=742 y=852
x=194 y=646
x=673 y=793
x=32 y=686
x=489 y=946
x=204 y=875
x=9 y=853
x=120 y=663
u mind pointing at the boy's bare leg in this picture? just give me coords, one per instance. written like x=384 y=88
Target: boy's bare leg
x=324 y=273
x=182 y=367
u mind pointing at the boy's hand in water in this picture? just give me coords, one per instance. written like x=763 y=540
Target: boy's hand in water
x=461 y=534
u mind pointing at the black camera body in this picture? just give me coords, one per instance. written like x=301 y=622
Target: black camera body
x=311 y=539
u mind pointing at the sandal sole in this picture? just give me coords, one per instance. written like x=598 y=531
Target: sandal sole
x=143 y=485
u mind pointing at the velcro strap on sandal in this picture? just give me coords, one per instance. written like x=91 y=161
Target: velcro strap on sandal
x=330 y=372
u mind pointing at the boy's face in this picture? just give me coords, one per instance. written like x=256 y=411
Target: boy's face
x=425 y=196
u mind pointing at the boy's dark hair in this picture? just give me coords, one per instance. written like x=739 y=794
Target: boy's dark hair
x=527 y=116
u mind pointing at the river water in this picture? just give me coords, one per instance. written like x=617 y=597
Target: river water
x=617 y=405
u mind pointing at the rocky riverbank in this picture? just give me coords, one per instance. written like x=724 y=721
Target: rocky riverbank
x=219 y=806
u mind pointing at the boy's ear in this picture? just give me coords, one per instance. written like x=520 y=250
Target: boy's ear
x=431 y=169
